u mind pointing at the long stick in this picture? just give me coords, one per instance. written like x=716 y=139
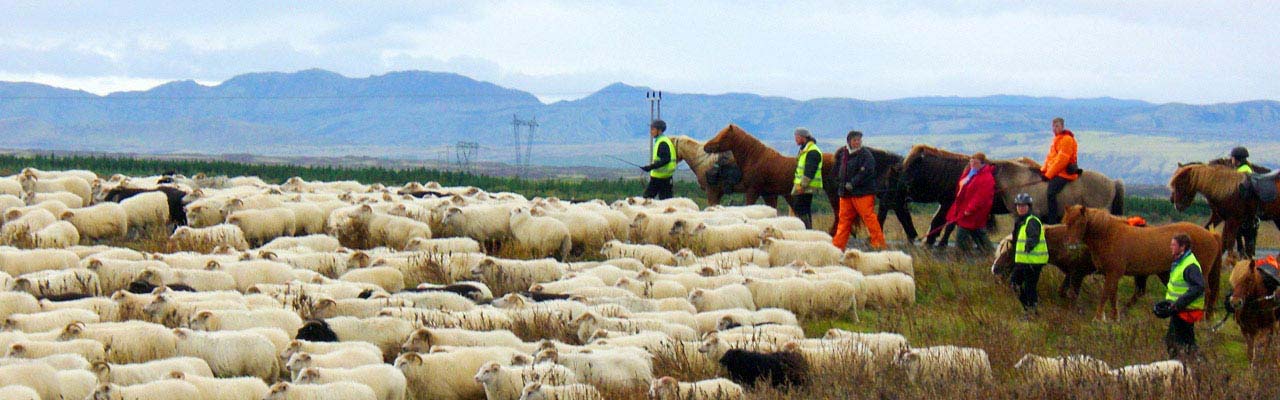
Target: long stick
x=625 y=161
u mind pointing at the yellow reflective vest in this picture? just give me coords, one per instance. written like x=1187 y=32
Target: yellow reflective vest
x=816 y=182
x=1039 y=255
x=1178 y=285
x=668 y=169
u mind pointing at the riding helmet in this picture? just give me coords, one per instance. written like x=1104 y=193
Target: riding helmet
x=1022 y=198
x=1163 y=309
x=1240 y=153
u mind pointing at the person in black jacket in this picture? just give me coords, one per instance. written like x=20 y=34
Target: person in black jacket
x=1186 y=290
x=1031 y=253
x=855 y=171
x=663 y=165
x=808 y=176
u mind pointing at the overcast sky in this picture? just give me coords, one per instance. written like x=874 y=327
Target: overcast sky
x=1184 y=51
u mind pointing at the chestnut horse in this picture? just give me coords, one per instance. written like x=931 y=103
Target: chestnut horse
x=1220 y=185
x=1254 y=313
x=765 y=171
x=1119 y=249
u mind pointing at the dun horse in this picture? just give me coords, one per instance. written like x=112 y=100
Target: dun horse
x=1119 y=249
x=1220 y=185
x=1254 y=312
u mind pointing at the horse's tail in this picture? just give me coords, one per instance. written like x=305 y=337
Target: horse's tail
x=1117 y=202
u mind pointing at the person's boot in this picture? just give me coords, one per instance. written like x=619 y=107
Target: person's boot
x=807 y=219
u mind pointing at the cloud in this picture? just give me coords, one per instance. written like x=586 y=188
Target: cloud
x=1162 y=51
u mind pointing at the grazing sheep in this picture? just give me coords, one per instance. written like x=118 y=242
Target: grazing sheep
x=328 y=391
x=540 y=236
x=1062 y=370
x=49 y=320
x=387 y=382
x=884 y=346
x=614 y=368
x=157 y=390
x=880 y=262
x=668 y=388
x=649 y=254
x=575 y=391
x=224 y=388
x=943 y=365
x=745 y=367
x=785 y=252
x=132 y=374
x=506 y=383
x=516 y=274
x=230 y=353
x=888 y=290
x=445 y=375
x=147 y=209
x=101 y=221
x=73 y=283
x=261 y=226
x=58 y=235
x=723 y=298
x=385 y=229
x=204 y=240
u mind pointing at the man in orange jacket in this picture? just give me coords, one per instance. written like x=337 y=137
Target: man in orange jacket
x=1059 y=168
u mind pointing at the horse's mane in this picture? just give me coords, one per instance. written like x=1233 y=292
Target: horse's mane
x=1214 y=181
x=699 y=158
x=923 y=149
x=886 y=155
x=1242 y=270
x=748 y=142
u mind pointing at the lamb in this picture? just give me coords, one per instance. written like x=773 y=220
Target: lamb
x=872 y=263
x=89 y=349
x=723 y=298
x=157 y=390
x=721 y=238
x=576 y=391
x=388 y=278
x=19 y=262
x=539 y=235
x=784 y=252
x=423 y=339
x=668 y=388
x=234 y=320
x=941 y=365
x=444 y=245
x=328 y=391
x=318 y=243
x=230 y=353
x=58 y=235
x=1159 y=376
x=387 y=382
x=1062 y=370
x=888 y=290
x=746 y=367
x=445 y=376
x=133 y=374
x=40 y=378
x=884 y=346
x=224 y=388
x=385 y=332
x=147 y=209
x=206 y=239
x=48 y=320
x=615 y=368
x=505 y=383
x=102 y=221
x=261 y=226
x=649 y=254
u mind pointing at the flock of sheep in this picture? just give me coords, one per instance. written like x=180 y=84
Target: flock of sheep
x=340 y=290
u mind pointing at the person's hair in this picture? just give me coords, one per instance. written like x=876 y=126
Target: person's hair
x=853 y=135
x=1059 y=120
x=1183 y=240
x=980 y=157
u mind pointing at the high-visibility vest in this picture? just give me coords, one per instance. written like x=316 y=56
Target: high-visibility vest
x=668 y=169
x=816 y=182
x=1039 y=254
x=1244 y=168
x=1178 y=286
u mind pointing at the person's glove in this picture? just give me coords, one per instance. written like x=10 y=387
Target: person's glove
x=797 y=190
x=646 y=168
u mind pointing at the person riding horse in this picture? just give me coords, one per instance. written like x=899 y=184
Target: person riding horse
x=1059 y=168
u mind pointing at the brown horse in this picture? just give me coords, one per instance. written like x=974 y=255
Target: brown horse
x=1074 y=260
x=1220 y=185
x=1119 y=249
x=1255 y=314
x=765 y=171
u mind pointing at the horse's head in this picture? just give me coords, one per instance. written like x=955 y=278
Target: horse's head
x=723 y=141
x=1002 y=266
x=1076 y=220
x=1246 y=283
x=1182 y=191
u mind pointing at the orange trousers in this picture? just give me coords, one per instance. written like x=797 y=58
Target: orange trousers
x=863 y=207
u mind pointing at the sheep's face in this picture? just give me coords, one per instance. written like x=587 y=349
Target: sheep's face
x=298 y=361
x=710 y=344
x=278 y=391
x=309 y=375
x=419 y=342
x=663 y=388
x=72 y=331
x=158 y=306
x=105 y=392
x=408 y=361
x=696 y=296
x=488 y=373
x=1002 y=265
x=201 y=320
x=699 y=229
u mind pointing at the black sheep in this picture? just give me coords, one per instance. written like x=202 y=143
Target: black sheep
x=64 y=297
x=317 y=330
x=782 y=369
x=545 y=296
x=468 y=290
x=144 y=287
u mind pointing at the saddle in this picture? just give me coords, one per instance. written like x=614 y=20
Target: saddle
x=724 y=176
x=1261 y=186
x=1267 y=267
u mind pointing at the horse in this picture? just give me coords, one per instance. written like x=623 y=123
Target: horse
x=1074 y=261
x=1119 y=249
x=1254 y=312
x=701 y=162
x=766 y=172
x=1220 y=185
x=931 y=175
x=1214 y=218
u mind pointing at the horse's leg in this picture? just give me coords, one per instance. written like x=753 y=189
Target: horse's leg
x=713 y=196
x=770 y=200
x=1109 y=287
x=750 y=197
x=1139 y=290
x=939 y=218
x=903 y=212
x=834 y=201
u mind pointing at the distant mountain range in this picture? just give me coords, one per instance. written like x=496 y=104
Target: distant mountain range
x=265 y=113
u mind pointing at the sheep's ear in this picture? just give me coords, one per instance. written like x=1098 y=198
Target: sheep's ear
x=519 y=360
x=177 y=375
x=311 y=373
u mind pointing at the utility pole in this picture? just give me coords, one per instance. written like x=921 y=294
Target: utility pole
x=655 y=105
x=464 y=152
x=524 y=155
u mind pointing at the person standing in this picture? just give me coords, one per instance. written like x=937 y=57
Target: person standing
x=856 y=173
x=972 y=207
x=1031 y=253
x=808 y=176
x=1060 y=168
x=1249 y=229
x=1186 y=291
x=663 y=164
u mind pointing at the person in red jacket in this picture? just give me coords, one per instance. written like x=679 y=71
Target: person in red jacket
x=975 y=193
x=1059 y=168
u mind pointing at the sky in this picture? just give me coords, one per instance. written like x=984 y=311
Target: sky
x=1159 y=51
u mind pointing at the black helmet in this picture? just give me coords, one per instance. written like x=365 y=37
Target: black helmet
x=658 y=124
x=1163 y=309
x=1022 y=198
x=1240 y=153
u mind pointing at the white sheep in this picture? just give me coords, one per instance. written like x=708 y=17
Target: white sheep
x=888 y=290
x=224 y=388
x=75 y=281
x=58 y=235
x=444 y=245
x=647 y=253
x=482 y=222
x=60 y=362
x=39 y=377
x=234 y=320
x=75 y=384
x=615 y=368
x=66 y=200
x=132 y=374
x=319 y=243
x=204 y=213
x=723 y=298
x=385 y=332
x=540 y=236
x=587 y=324
x=1055 y=370
x=447 y=375
x=942 y=365
x=230 y=353
x=17 y=231
x=784 y=252
x=71 y=184
x=200 y=280
x=388 y=278
x=18 y=262
x=423 y=339
x=157 y=390
x=668 y=388
x=370 y=351
x=49 y=320
x=206 y=239
x=885 y=346
x=711 y=320
x=328 y=391
x=497 y=272
x=1160 y=376
x=261 y=226
x=387 y=382
x=506 y=382
x=253 y=272
x=720 y=238
x=575 y=391
x=872 y=263
x=387 y=230
x=89 y=349
x=780 y=223
x=101 y=221
x=309 y=219
x=359 y=308
x=147 y=209
x=10 y=187
x=653 y=289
